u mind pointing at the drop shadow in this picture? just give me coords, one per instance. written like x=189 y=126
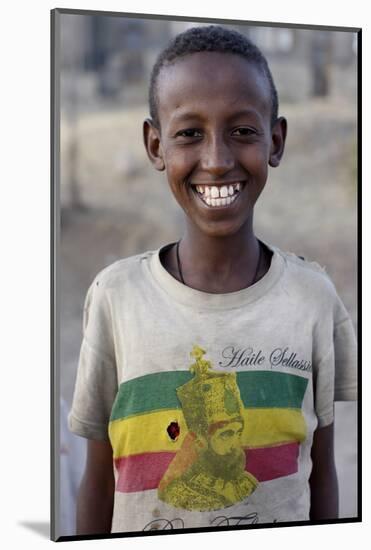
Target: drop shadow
x=40 y=527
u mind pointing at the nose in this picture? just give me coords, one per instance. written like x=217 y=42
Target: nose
x=235 y=444
x=217 y=158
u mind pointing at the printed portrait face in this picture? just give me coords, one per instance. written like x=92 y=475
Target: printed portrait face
x=227 y=439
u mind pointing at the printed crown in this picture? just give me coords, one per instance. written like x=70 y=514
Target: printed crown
x=210 y=397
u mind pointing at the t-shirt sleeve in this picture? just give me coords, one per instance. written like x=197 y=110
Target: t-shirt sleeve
x=336 y=373
x=345 y=348
x=96 y=381
x=324 y=377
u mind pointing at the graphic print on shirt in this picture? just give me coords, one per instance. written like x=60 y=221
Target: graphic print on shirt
x=208 y=471
x=203 y=438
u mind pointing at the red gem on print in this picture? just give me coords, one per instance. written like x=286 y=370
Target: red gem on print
x=173 y=430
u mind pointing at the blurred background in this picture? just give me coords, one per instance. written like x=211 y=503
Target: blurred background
x=114 y=204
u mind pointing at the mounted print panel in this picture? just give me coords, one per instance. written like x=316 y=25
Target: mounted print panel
x=205 y=317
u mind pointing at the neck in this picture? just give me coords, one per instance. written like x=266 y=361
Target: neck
x=218 y=254
x=231 y=260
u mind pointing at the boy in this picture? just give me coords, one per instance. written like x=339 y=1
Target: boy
x=244 y=434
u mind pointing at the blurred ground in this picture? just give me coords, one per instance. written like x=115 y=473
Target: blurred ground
x=308 y=207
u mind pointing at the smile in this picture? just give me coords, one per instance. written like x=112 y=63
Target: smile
x=221 y=195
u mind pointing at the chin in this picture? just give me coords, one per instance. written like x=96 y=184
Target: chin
x=220 y=229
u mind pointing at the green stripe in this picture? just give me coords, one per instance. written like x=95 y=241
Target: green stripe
x=155 y=392
x=149 y=393
x=271 y=389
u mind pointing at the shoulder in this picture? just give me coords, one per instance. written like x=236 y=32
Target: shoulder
x=120 y=279
x=303 y=265
x=308 y=277
x=311 y=282
x=122 y=271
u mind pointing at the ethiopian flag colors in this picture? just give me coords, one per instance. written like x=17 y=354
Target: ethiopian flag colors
x=147 y=426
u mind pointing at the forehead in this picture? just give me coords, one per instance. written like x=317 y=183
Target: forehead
x=212 y=81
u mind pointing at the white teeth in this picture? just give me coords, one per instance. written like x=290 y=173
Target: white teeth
x=219 y=196
x=219 y=201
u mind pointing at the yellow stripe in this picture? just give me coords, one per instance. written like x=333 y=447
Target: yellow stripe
x=266 y=427
x=147 y=433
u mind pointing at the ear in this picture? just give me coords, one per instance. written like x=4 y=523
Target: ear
x=279 y=132
x=152 y=143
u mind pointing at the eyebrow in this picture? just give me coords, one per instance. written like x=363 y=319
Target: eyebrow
x=180 y=117
x=244 y=112
x=183 y=117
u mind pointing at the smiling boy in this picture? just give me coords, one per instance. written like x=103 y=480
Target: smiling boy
x=215 y=140
x=153 y=424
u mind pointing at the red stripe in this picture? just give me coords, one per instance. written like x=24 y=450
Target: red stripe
x=144 y=471
x=268 y=463
x=141 y=472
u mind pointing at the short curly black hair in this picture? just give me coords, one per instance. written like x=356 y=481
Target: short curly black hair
x=211 y=38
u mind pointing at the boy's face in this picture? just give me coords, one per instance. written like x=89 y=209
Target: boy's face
x=216 y=139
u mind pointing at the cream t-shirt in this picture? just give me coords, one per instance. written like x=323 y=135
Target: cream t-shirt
x=210 y=401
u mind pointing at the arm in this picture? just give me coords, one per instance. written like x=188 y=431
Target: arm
x=323 y=480
x=96 y=493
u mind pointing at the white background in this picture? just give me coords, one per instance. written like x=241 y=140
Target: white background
x=25 y=234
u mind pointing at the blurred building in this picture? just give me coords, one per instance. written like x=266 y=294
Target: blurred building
x=110 y=54
x=116 y=52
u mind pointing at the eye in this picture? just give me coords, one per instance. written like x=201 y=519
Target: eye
x=189 y=133
x=227 y=434
x=244 y=131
